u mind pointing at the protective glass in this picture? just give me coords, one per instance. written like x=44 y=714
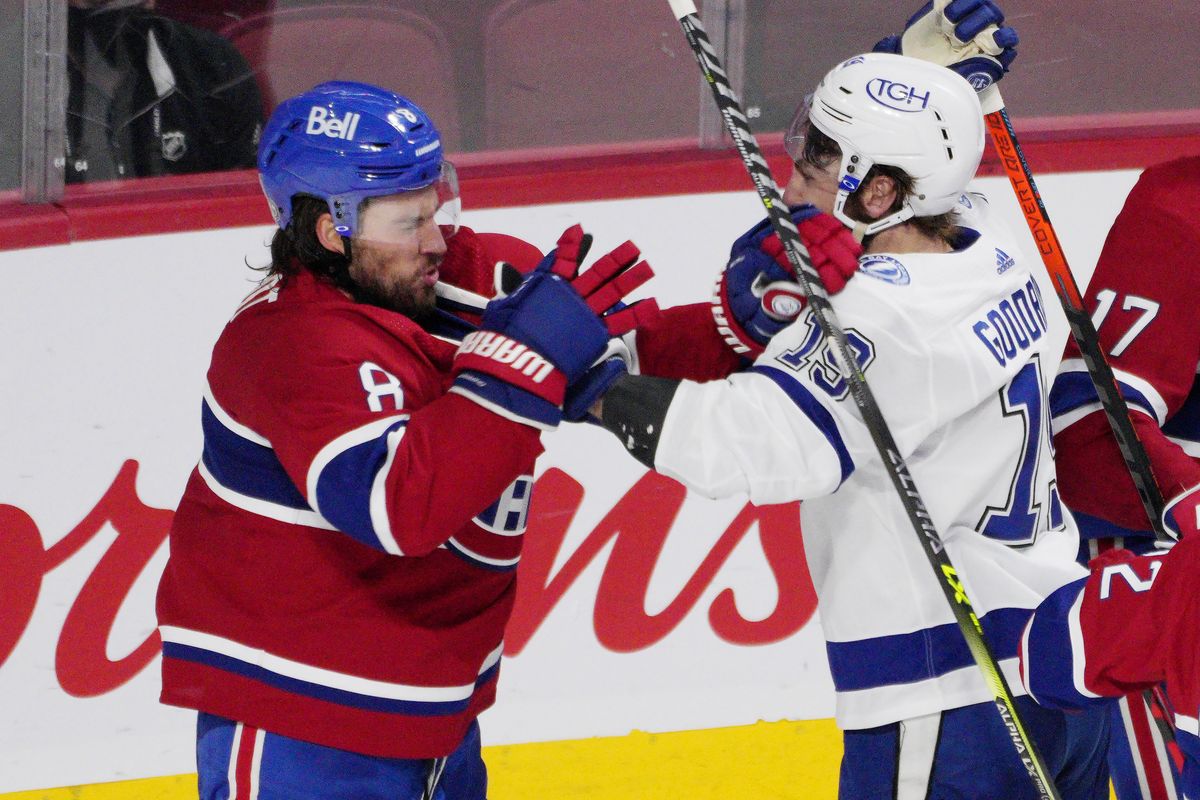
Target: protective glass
x=410 y=219
x=449 y=202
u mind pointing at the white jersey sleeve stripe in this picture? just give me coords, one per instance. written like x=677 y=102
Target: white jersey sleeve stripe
x=380 y=521
x=1078 y=653
x=1073 y=392
x=286 y=668
x=345 y=484
x=242 y=469
x=264 y=508
x=229 y=422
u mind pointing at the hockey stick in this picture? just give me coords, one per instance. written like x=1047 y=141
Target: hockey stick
x=1004 y=138
x=818 y=300
x=1087 y=339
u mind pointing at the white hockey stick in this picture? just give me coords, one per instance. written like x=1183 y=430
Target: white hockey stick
x=889 y=452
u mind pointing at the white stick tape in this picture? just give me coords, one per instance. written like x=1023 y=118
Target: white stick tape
x=681 y=8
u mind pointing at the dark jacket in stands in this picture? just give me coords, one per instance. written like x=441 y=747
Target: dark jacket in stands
x=153 y=96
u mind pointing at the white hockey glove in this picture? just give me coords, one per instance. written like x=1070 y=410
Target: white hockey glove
x=968 y=36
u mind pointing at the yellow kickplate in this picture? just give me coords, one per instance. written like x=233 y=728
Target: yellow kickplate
x=763 y=761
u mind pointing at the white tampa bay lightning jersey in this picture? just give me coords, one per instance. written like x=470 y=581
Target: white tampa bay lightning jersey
x=953 y=348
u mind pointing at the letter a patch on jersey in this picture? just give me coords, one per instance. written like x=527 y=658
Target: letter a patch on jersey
x=381 y=385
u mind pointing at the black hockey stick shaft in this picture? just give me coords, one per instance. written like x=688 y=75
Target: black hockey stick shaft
x=1083 y=330
x=1087 y=339
x=818 y=300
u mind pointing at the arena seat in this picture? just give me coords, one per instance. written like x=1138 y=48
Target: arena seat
x=292 y=49
x=211 y=15
x=563 y=72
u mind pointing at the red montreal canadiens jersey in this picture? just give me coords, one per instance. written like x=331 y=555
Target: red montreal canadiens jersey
x=1131 y=625
x=1144 y=298
x=342 y=563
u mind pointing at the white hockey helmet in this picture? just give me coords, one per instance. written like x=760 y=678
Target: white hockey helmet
x=898 y=111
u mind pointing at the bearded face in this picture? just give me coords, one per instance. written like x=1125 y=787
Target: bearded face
x=396 y=253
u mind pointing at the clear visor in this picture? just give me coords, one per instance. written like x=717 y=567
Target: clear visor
x=413 y=218
x=797 y=131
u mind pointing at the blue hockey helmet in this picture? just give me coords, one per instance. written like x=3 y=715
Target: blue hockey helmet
x=343 y=142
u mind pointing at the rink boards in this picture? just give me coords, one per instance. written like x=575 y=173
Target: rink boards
x=658 y=638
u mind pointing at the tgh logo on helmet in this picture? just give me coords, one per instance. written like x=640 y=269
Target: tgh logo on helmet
x=896 y=95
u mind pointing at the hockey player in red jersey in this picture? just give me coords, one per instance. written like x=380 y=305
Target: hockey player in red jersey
x=1131 y=625
x=342 y=561
x=1142 y=297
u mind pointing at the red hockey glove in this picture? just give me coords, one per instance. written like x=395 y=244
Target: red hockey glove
x=1181 y=517
x=756 y=296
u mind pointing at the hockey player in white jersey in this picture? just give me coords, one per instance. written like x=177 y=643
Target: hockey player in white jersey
x=950 y=330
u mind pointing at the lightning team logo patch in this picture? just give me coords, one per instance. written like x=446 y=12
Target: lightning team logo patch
x=886 y=269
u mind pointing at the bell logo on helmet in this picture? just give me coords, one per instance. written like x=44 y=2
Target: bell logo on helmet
x=320 y=121
x=898 y=96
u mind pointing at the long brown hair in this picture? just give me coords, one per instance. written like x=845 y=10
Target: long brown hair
x=297 y=247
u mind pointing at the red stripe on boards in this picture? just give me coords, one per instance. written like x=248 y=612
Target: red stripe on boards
x=172 y=204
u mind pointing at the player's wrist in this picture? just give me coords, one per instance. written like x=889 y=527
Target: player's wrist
x=506 y=400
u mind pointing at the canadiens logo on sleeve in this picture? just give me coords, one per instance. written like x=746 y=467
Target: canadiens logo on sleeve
x=886 y=269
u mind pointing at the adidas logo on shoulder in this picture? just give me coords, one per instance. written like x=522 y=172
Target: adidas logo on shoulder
x=1004 y=262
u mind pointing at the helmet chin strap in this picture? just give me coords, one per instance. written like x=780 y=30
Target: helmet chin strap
x=853 y=169
x=860 y=229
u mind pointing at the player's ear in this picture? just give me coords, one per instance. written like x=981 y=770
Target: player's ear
x=878 y=196
x=328 y=236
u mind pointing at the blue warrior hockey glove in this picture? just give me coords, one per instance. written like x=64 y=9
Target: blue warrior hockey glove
x=550 y=331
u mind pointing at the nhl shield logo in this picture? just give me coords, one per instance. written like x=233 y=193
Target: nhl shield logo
x=174 y=145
